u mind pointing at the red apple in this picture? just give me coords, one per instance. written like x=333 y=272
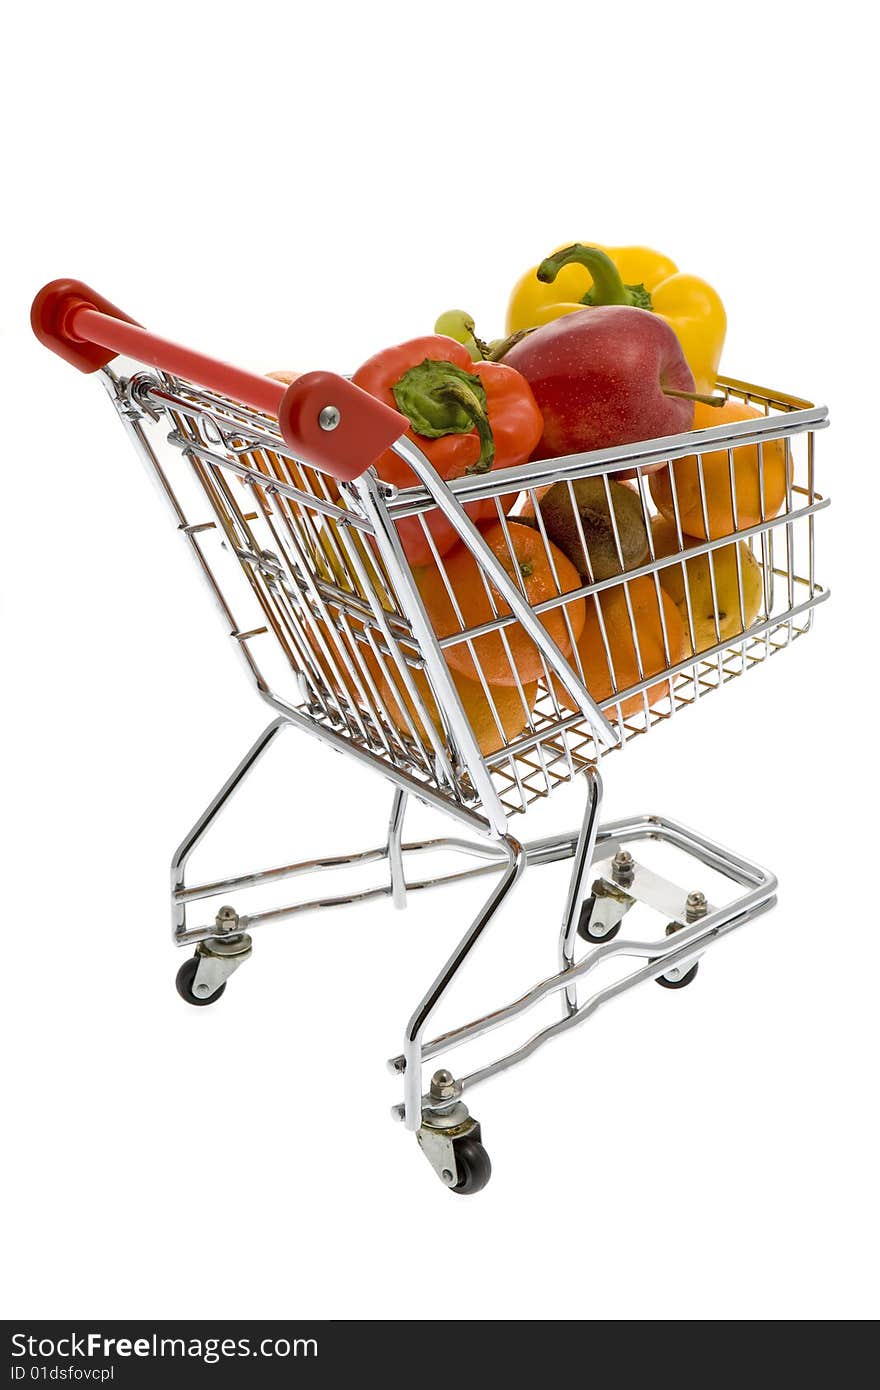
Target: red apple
x=599 y=377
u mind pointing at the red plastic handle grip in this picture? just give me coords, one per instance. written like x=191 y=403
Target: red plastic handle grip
x=324 y=419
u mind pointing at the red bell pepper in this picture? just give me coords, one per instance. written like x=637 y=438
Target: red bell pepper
x=465 y=416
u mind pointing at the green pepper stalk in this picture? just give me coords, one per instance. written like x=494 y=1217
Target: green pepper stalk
x=607 y=287
x=439 y=398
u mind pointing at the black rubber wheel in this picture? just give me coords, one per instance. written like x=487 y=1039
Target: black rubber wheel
x=474 y=1168
x=583 y=929
x=186 y=978
x=685 y=979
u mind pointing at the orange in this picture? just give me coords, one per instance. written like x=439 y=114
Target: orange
x=618 y=629
x=347 y=654
x=512 y=714
x=536 y=569
x=716 y=473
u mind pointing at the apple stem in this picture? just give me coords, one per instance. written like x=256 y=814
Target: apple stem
x=715 y=401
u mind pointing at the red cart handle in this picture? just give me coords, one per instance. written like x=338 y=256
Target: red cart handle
x=324 y=419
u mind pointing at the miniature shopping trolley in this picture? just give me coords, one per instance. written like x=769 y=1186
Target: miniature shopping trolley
x=274 y=488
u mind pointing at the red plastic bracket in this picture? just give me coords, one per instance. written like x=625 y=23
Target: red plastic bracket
x=336 y=426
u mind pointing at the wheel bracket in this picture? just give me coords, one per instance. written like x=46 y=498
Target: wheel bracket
x=219 y=957
x=437 y=1136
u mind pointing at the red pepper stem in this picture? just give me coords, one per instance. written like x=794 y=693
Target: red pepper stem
x=439 y=398
x=470 y=403
x=607 y=287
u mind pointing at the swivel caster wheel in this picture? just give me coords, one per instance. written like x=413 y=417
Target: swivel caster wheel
x=594 y=932
x=186 y=979
x=451 y=1141
x=695 y=908
x=202 y=979
x=682 y=981
x=474 y=1167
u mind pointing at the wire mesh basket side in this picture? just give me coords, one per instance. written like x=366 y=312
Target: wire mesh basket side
x=293 y=567
x=294 y=564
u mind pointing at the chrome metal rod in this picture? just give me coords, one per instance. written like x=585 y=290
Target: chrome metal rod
x=285 y=871
x=210 y=814
x=686 y=942
x=395 y=851
x=578 y=884
x=412 y=1048
x=545 y=472
x=714 y=856
x=671 y=950
x=277 y=914
x=658 y=966
x=656 y=565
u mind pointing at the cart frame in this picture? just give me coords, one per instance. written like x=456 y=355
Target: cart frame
x=349 y=629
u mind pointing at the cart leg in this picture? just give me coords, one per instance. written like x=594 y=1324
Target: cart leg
x=412 y=1047
x=395 y=848
x=578 y=887
x=210 y=814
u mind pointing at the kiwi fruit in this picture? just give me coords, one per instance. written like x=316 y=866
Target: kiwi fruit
x=591 y=500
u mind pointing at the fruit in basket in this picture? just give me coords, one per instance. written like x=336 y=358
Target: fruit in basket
x=543 y=572
x=602 y=378
x=465 y=416
x=335 y=660
x=649 y=625
x=589 y=522
x=579 y=275
x=508 y=708
x=458 y=324
x=335 y=638
x=716 y=477
x=342 y=555
x=706 y=607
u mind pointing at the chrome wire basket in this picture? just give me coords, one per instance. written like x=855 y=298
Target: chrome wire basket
x=507 y=664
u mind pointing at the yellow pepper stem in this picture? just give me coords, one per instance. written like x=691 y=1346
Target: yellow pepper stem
x=608 y=286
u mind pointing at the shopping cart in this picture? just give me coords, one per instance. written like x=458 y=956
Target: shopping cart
x=299 y=540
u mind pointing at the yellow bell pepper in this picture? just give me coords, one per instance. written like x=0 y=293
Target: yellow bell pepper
x=579 y=275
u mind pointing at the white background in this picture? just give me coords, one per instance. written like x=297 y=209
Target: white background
x=298 y=186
